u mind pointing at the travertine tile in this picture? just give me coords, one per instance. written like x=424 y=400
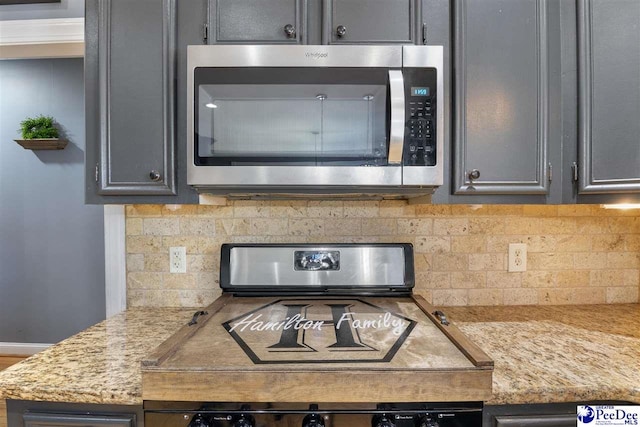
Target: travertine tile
x=156 y=262
x=504 y=279
x=450 y=297
x=471 y=244
x=135 y=262
x=520 y=296
x=415 y=226
x=450 y=262
x=343 y=227
x=608 y=242
x=306 y=227
x=161 y=226
x=432 y=244
x=233 y=226
x=487 y=262
x=361 y=209
x=133 y=226
x=450 y=227
x=143 y=210
x=487 y=225
x=198 y=226
x=538 y=279
x=379 y=227
x=250 y=209
x=590 y=261
x=549 y=261
x=486 y=297
x=619 y=295
x=468 y=280
x=572 y=278
x=396 y=209
x=144 y=244
x=269 y=226
x=325 y=209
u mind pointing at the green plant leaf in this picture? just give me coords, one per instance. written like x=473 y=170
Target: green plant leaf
x=38 y=127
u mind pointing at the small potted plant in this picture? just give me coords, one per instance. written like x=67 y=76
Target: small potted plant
x=40 y=133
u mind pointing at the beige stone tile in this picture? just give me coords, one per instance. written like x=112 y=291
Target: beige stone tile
x=625 y=225
x=269 y=226
x=573 y=243
x=233 y=226
x=536 y=243
x=607 y=278
x=288 y=209
x=450 y=262
x=325 y=209
x=364 y=209
x=500 y=244
x=608 y=242
x=343 y=227
x=486 y=297
x=136 y=298
x=555 y=296
x=161 y=226
x=191 y=243
x=577 y=210
x=487 y=225
x=506 y=210
x=208 y=280
x=450 y=227
x=450 y=297
x=133 y=226
x=538 y=279
x=143 y=210
x=522 y=225
x=439 y=280
x=487 y=262
x=520 y=296
x=156 y=262
x=216 y=211
x=250 y=209
x=468 y=280
x=397 y=209
x=415 y=226
x=632 y=278
x=426 y=294
x=470 y=210
x=549 y=261
x=200 y=263
x=540 y=210
x=623 y=260
x=433 y=210
x=422 y=262
x=179 y=210
x=573 y=278
x=197 y=226
x=619 y=295
x=178 y=281
x=144 y=244
x=472 y=244
x=135 y=262
x=590 y=261
x=504 y=279
x=591 y=225
x=307 y=227
x=589 y=296
x=633 y=242
x=379 y=226
x=144 y=280
x=432 y=244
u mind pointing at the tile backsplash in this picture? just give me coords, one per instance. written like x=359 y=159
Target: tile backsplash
x=577 y=254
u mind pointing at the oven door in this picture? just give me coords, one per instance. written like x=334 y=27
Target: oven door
x=291 y=116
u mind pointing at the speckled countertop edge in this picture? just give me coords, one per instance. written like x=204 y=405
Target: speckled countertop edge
x=541 y=355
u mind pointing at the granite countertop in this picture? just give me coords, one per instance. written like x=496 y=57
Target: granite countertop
x=542 y=354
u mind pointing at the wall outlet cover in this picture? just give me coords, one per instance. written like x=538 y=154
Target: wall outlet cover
x=517 y=257
x=178 y=259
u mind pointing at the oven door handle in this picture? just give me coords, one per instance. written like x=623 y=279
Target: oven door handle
x=396 y=127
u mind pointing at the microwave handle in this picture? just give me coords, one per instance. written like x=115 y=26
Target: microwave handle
x=396 y=127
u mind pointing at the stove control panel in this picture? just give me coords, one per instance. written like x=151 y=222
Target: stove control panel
x=467 y=414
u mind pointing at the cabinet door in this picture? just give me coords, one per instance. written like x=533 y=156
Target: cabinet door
x=371 y=21
x=502 y=93
x=609 y=94
x=560 y=420
x=77 y=420
x=256 y=21
x=130 y=97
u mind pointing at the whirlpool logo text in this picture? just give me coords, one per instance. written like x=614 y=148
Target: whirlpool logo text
x=592 y=416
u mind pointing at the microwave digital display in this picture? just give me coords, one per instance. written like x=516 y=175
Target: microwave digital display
x=419 y=91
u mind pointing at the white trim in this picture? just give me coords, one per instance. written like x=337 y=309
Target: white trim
x=115 y=269
x=21 y=349
x=42 y=31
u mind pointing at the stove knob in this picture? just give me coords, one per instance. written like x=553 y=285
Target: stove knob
x=200 y=421
x=313 y=420
x=243 y=420
x=382 y=420
x=425 y=421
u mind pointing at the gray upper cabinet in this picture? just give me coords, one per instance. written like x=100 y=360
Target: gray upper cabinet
x=256 y=21
x=371 y=21
x=609 y=96
x=315 y=22
x=504 y=90
x=130 y=97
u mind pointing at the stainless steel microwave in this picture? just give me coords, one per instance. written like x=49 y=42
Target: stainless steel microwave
x=354 y=121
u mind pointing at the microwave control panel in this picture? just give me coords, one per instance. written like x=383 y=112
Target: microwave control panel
x=420 y=115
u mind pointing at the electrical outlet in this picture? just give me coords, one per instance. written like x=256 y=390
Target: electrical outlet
x=517 y=257
x=178 y=259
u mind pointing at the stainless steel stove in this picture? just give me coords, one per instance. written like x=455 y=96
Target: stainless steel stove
x=317 y=335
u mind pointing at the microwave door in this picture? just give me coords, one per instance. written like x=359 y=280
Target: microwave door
x=397 y=122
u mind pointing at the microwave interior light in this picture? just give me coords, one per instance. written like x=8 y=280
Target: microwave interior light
x=210 y=105
x=621 y=206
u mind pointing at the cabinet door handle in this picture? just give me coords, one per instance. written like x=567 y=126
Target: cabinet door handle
x=473 y=174
x=341 y=31
x=155 y=176
x=290 y=31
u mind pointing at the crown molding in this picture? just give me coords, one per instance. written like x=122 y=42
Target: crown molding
x=42 y=38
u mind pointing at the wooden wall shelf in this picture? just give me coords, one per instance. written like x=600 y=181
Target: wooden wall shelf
x=42 y=144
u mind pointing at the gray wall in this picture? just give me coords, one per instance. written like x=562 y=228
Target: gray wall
x=51 y=244
x=64 y=9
